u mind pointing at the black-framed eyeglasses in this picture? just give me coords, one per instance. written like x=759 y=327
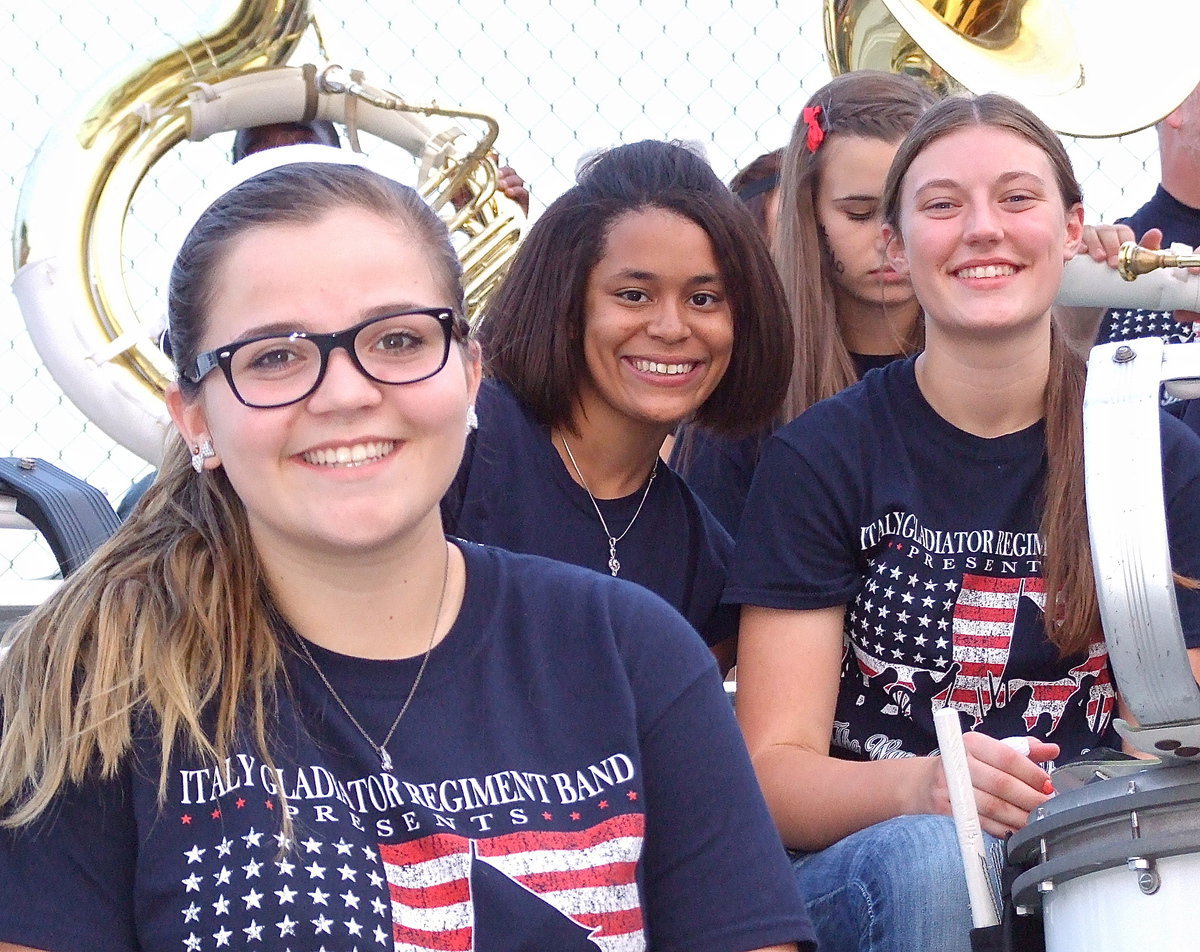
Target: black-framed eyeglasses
x=280 y=369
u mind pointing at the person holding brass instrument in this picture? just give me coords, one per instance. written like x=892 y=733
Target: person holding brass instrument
x=851 y=310
x=644 y=296
x=1172 y=215
x=919 y=541
x=280 y=709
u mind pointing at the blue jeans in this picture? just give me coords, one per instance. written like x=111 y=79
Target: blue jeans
x=897 y=886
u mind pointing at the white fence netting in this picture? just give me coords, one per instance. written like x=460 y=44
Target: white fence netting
x=561 y=77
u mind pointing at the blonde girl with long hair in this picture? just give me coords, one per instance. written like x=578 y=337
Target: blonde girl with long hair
x=280 y=709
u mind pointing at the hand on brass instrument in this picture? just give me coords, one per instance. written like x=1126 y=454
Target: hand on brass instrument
x=1008 y=784
x=1103 y=242
x=509 y=181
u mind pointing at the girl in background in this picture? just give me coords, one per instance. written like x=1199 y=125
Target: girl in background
x=850 y=309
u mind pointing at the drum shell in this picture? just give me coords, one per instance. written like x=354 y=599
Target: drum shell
x=1115 y=863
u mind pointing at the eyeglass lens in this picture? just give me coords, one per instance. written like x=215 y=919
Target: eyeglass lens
x=396 y=349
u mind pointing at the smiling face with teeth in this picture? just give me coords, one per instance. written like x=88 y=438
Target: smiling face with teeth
x=357 y=464
x=658 y=328
x=983 y=233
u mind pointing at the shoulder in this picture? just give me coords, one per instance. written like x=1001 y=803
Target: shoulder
x=540 y=595
x=496 y=403
x=870 y=406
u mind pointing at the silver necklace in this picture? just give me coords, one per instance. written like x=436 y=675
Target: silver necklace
x=614 y=564
x=385 y=759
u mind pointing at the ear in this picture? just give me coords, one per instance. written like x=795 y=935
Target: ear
x=189 y=419
x=893 y=249
x=473 y=365
x=1074 y=239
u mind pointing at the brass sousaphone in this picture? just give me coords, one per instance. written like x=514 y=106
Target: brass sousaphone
x=1073 y=62
x=71 y=276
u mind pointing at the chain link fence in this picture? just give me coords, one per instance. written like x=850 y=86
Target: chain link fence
x=561 y=77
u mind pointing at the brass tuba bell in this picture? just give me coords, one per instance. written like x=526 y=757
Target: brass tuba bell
x=1070 y=61
x=71 y=274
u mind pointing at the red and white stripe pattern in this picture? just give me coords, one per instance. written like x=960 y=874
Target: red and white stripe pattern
x=588 y=875
x=984 y=617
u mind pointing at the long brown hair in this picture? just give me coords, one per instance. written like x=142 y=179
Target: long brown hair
x=167 y=626
x=1072 y=610
x=866 y=103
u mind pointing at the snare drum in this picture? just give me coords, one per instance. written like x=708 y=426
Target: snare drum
x=1115 y=864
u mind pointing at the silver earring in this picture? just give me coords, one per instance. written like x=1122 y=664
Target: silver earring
x=472 y=419
x=203 y=451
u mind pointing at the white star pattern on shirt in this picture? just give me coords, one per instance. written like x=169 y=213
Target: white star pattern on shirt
x=244 y=861
x=319 y=898
x=286 y=895
x=322 y=924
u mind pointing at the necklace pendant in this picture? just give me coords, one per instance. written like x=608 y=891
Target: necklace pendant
x=385 y=760
x=614 y=565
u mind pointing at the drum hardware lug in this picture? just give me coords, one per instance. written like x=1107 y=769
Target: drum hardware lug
x=1045 y=886
x=1042 y=848
x=27 y=463
x=1124 y=354
x=1134 y=826
x=1132 y=788
x=1022 y=910
x=1148 y=879
x=1040 y=814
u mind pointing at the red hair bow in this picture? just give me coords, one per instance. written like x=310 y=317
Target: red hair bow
x=816 y=134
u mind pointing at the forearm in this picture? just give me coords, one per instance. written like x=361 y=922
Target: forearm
x=817 y=800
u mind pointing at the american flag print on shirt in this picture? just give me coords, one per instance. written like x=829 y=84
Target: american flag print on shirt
x=588 y=875
x=947 y=623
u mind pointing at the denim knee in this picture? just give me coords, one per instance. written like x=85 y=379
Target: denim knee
x=897 y=886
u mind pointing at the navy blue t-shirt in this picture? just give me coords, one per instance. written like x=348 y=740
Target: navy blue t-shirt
x=513 y=491
x=1178 y=222
x=719 y=469
x=567 y=777
x=929 y=536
